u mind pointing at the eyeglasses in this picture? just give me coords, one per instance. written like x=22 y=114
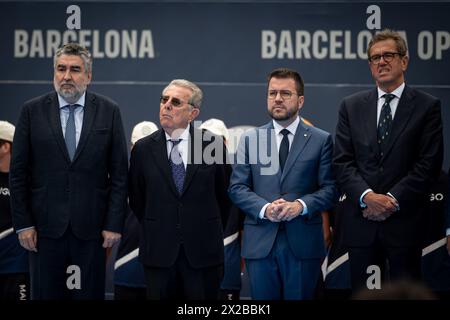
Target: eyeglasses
x=285 y=94
x=387 y=57
x=175 y=102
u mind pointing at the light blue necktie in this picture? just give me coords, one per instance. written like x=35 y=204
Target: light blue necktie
x=71 y=135
x=177 y=166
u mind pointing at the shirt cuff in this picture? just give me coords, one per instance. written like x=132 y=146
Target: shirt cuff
x=23 y=229
x=361 y=203
x=447 y=232
x=305 y=207
x=263 y=211
x=397 y=205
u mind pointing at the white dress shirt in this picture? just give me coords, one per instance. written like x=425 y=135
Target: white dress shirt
x=393 y=104
x=292 y=128
x=182 y=146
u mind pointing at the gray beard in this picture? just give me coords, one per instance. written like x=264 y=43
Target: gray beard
x=70 y=97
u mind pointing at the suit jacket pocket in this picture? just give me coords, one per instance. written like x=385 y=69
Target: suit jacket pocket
x=39 y=208
x=100 y=130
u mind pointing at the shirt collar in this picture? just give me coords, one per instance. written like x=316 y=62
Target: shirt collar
x=397 y=92
x=183 y=136
x=292 y=128
x=63 y=103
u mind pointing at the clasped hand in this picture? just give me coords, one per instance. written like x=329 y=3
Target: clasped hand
x=379 y=206
x=282 y=210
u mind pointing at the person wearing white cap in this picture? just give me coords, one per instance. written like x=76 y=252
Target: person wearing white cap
x=231 y=282
x=68 y=181
x=129 y=278
x=14 y=276
x=217 y=127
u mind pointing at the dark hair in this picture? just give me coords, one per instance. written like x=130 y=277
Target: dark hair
x=388 y=34
x=74 y=49
x=285 y=73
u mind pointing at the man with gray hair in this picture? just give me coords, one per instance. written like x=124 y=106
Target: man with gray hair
x=68 y=181
x=180 y=199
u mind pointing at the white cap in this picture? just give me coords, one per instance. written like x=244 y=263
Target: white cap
x=6 y=131
x=142 y=129
x=217 y=127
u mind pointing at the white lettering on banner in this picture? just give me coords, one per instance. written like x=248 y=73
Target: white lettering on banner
x=320 y=44
x=341 y=44
x=111 y=44
x=4 y=191
x=431 y=45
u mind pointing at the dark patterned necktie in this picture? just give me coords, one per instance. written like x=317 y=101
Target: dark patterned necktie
x=284 y=148
x=177 y=166
x=70 y=135
x=385 y=122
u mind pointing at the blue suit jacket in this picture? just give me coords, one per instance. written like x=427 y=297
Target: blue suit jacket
x=256 y=181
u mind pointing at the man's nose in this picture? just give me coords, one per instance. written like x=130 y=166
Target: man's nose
x=67 y=75
x=167 y=105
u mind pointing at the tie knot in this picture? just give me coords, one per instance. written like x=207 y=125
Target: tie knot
x=71 y=107
x=176 y=142
x=388 y=97
x=284 y=132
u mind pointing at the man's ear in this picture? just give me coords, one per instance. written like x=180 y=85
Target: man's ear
x=194 y=114
x=405 y=61
x=301 y=101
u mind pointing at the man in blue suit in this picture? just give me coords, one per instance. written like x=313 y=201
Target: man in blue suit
x=283 y=181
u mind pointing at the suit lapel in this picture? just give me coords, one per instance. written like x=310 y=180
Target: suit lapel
x=403 y=113
x=159 y=152
x=267 y=151
x=369 y=118
x=55 y=123
x=196 y=137
x=301 y=138
x=90 y=108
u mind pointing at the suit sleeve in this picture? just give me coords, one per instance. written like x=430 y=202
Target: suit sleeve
x=136 y=184
x=426 y=169
x=222 y=180
x=447 y=205
x=118 y=168
x=241 y=184
x=19 y=173
x=344 y=160
x=326 y=194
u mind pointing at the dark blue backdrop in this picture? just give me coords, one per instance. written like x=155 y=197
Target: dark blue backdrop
x=220 y=46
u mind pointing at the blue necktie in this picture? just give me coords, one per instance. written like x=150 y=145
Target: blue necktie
x=284 y=148
x=385 y=122
x=177 y=166
x=71 y=135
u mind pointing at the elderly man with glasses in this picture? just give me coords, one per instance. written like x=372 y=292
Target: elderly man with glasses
x=178 y=190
